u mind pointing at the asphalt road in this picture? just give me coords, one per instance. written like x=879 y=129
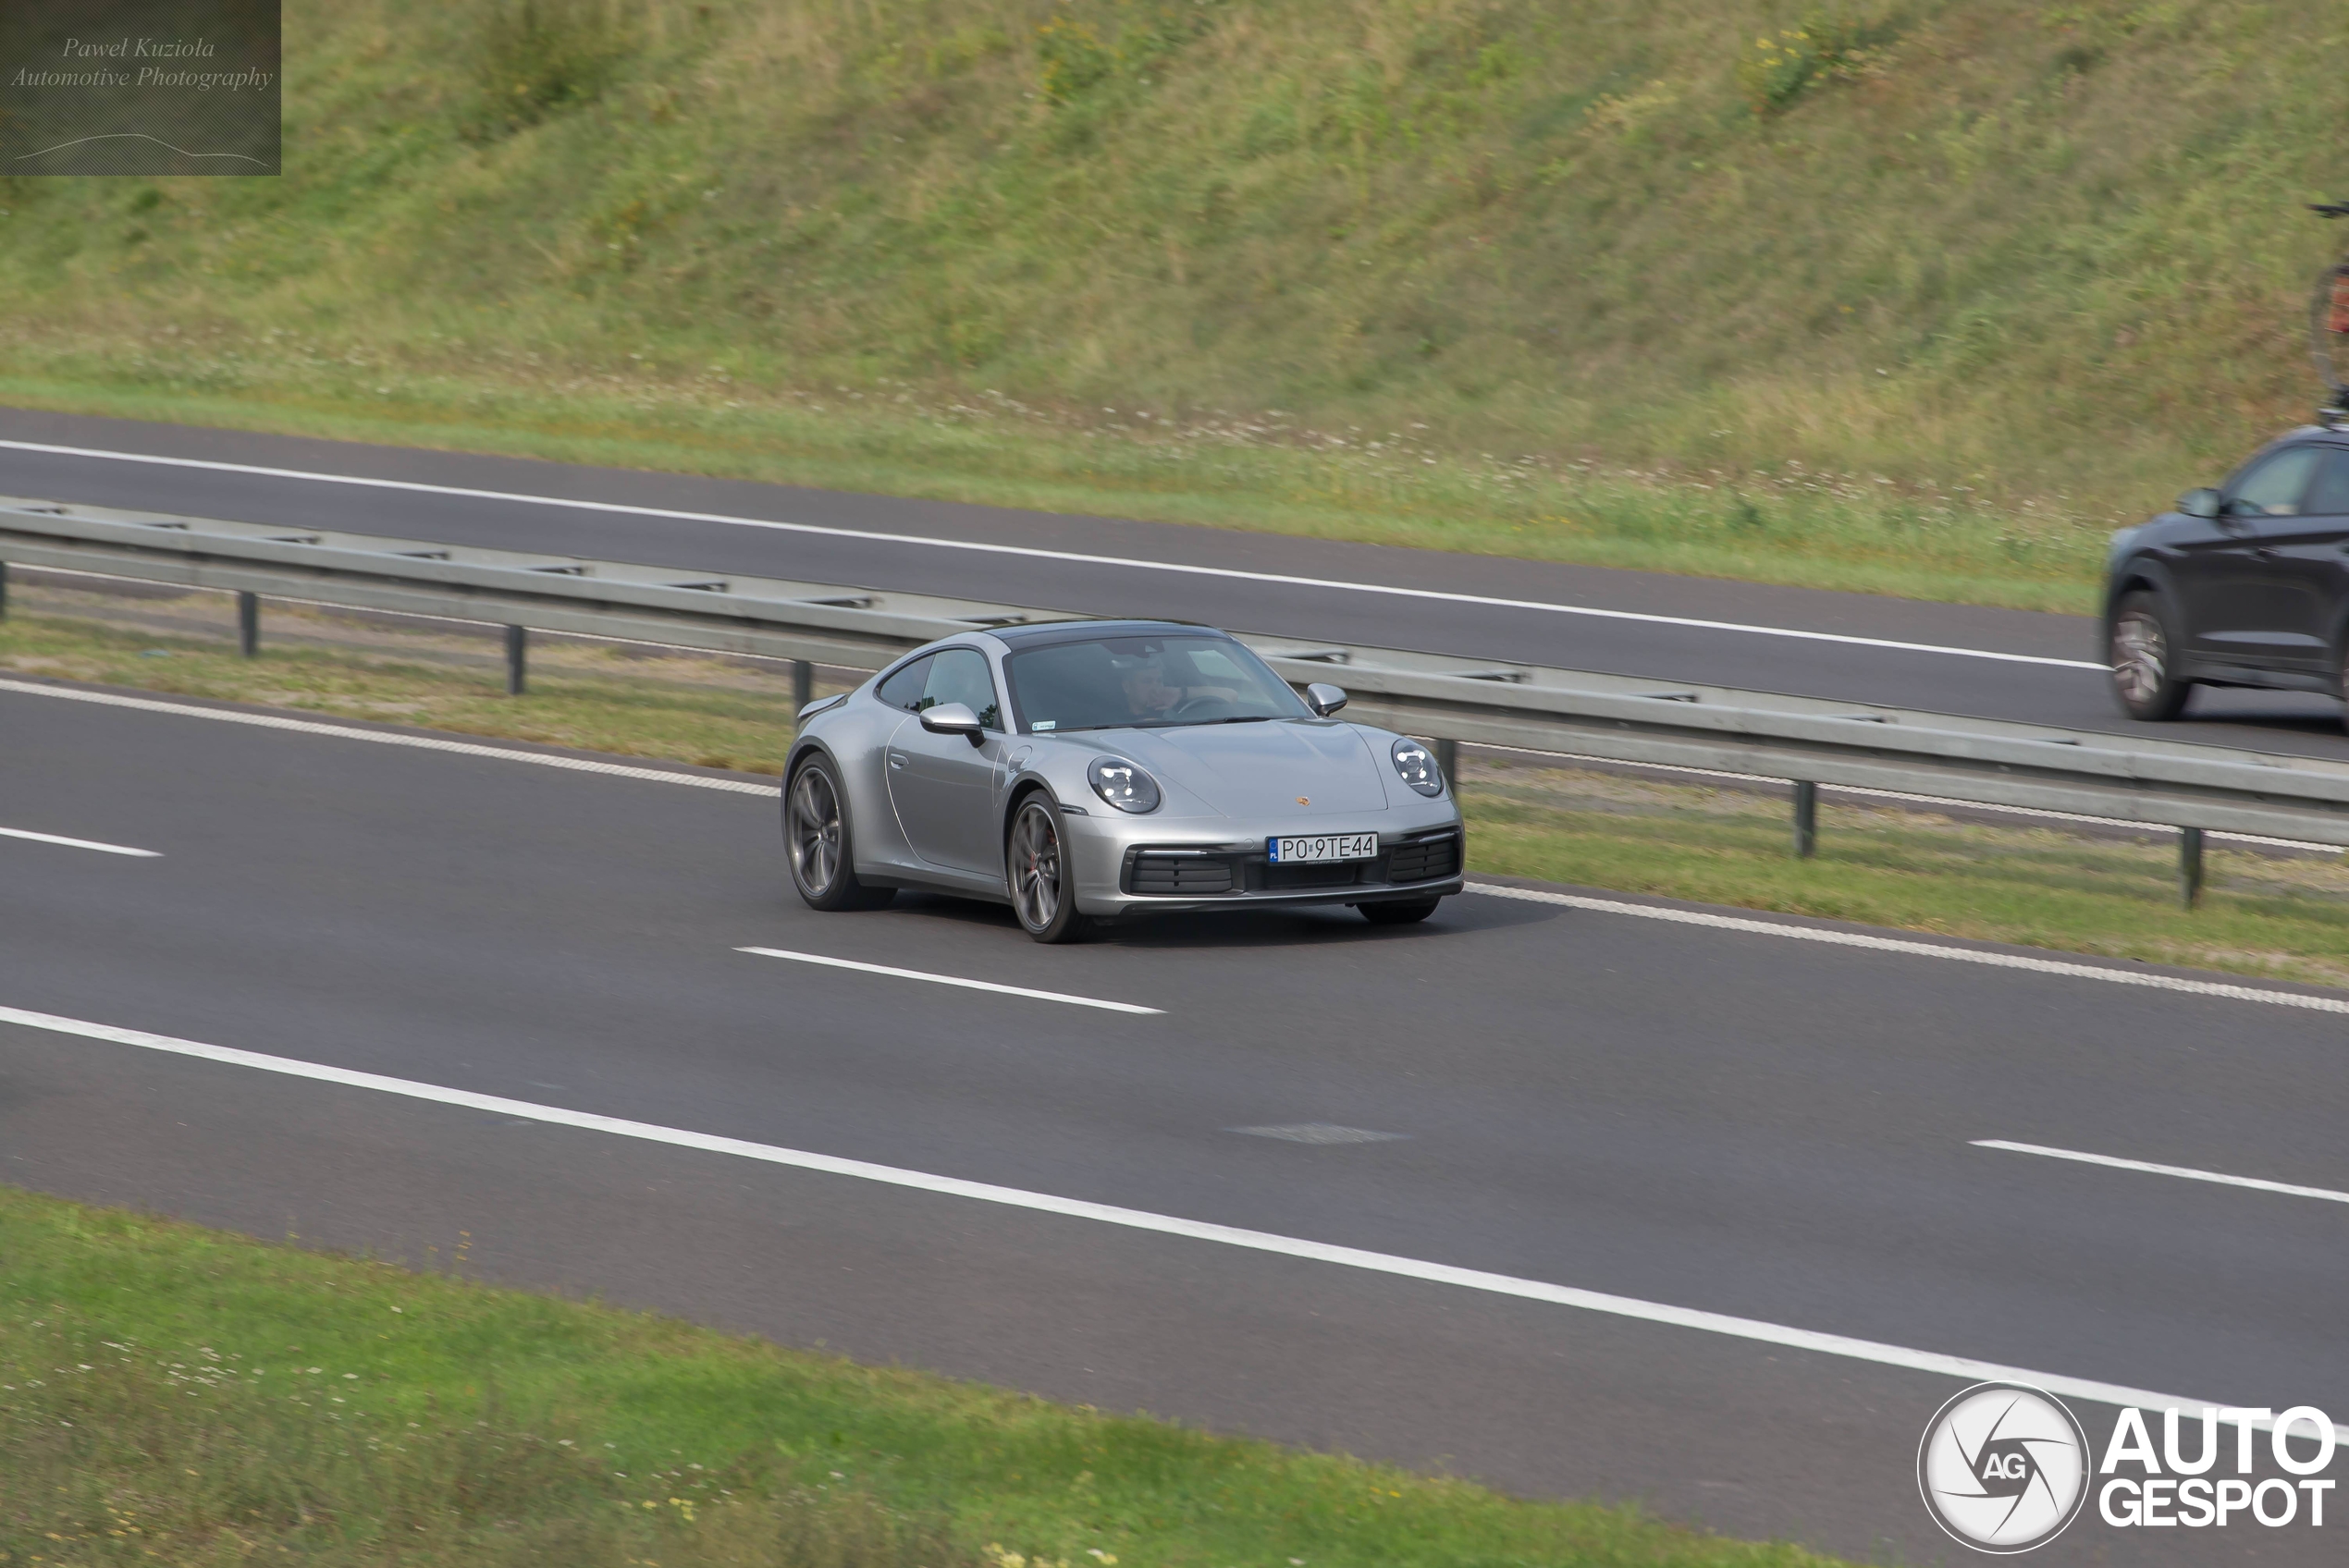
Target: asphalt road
x=1698 y=1116
x=1948 y=681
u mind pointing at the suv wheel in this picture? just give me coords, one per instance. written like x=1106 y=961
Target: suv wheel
x=2143 y=662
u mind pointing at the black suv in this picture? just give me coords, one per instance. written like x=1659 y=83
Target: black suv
x=2244 y=585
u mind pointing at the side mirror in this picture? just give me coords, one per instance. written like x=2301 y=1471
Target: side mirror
x=1324 y=698
x=954 y=719
x=2202 y=503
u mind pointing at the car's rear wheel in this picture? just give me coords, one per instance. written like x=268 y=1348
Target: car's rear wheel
x=2145 y=675
x=1398 y=912
x=817 y=841
x=1038 y=875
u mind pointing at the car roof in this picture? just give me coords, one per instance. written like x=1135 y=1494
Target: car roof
x=2299 y=434
x=1043 y=633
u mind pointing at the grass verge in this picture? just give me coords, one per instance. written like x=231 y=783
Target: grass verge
x=593 y=696
x=169 y=1394
x=2262 y=915
x=1921 y=296
x=2275 y=916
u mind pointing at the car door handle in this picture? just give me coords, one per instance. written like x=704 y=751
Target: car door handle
x=896 y=759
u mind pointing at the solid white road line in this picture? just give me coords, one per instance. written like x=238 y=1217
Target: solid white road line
x=1919 y=950
x=78 y=844
x=949 y=980
x=386 y=738
x=2187 y=1171
x=1134 y=1218
x=1278 y=578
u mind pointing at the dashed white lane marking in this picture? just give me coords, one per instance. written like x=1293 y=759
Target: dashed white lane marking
x=925 y=975
x=1034 y=553
x=77 y=844
x=1320 y=1133
x=1574 y=900
x=1962 y=1368
x=2186 y=1171
x=387 y=738
x=2219 y=989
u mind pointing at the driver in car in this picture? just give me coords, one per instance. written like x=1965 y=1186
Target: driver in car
x=1152 y=698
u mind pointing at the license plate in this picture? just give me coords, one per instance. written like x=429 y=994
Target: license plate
x=1322 y=847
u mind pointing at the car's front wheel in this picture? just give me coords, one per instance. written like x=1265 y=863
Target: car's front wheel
x=816 y=842
x=1038 y=875
x=2145 y=673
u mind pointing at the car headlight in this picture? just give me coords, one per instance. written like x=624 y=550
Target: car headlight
x=1417 y=767
x=1123 y=785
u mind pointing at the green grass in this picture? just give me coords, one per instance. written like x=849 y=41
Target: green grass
x=169 y=1394
x=1913 y=297
x=632 y=701
x=2261 y=914
x=2272 y=916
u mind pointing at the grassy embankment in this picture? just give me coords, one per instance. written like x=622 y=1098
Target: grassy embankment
x=2261 y=914
x=178 y=1396
x=1918 y=301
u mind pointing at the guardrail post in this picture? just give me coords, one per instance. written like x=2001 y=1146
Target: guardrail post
x=2189 y=865
x=1447 y=763
x=248 y=623
x=4 y=590
x=1806 y=818
x=803 y=685
x=517 y=658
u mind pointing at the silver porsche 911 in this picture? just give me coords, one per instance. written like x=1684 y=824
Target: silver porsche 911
x=1082 y=771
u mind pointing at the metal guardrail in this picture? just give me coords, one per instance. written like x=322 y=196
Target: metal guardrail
x=2191 y=786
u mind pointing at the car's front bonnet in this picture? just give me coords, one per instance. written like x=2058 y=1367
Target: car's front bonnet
x=1261 y=770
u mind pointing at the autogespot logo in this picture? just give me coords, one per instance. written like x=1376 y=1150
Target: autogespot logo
x=2003 y=1467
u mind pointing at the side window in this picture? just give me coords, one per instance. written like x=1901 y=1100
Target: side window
x=2273 y=488
x=903 y=689
x=960 y=675
x=2329 y=496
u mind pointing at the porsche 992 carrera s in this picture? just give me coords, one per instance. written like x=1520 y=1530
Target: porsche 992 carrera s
x=1090 y=771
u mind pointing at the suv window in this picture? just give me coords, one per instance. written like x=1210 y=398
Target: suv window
x=2273 y=488
x=2329 y=496
x=960 y=675
x=903 y=689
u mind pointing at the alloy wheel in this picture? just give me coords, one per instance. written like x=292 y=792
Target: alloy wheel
x=2140 y=657
x=1036 y=867
x=815 y=831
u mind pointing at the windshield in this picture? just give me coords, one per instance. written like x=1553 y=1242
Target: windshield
x=1145 y=683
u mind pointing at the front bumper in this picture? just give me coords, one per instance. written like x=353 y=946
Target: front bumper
x=1134 y=865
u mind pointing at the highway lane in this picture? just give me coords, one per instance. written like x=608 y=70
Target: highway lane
x=1707 y=1119
x=2050 y=693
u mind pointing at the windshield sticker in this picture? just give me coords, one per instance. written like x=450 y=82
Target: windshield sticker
x=1046 y=724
